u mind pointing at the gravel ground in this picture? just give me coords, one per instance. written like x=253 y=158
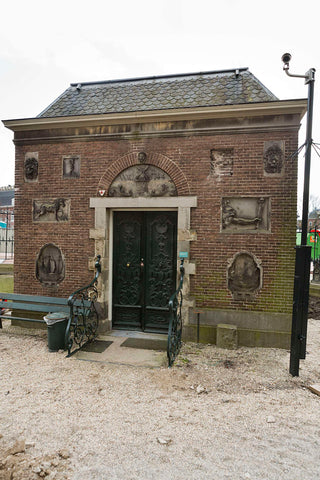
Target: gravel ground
x=314 y=307
x=217 y=414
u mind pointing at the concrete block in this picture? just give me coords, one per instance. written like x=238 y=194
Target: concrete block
x=227 y=336
x=314 y=289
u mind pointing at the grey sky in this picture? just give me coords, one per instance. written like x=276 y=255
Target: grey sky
x=45 y=46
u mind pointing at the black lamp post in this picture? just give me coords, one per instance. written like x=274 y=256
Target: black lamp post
x=303 y=252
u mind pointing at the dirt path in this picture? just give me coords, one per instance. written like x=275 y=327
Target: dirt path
x=218 y=414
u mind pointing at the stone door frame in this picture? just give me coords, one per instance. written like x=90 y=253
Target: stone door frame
x=103 y=237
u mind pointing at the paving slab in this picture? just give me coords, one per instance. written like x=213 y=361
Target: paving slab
x=114 y=351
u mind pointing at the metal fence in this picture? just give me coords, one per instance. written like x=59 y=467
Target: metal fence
x=6 y=233
x=6 y=243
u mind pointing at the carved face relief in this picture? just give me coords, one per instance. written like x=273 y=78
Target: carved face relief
x=142 y=181
x=273 y=157
x=221 y=161
x=50 y=267
x=244 y=276
x=31 y=167
x=142 y=157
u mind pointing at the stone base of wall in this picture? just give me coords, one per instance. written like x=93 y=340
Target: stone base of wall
x=104 y=326
x=246 y=337
x=254 y=329
x=243 y=319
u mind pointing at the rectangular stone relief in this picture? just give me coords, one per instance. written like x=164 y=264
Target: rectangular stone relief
x=245 y=214
x=52 y=210
x=71 y=166
x=221 y=161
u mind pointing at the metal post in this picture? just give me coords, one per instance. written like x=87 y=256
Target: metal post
x=305 y=205
x=198 y=327
x=303 y=253
x=305 y=213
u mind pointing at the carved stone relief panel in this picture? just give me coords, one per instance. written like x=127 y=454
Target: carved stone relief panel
x=55 y=210
x=245 y=214
x=50 y=265
x=31 y=167
x=273 y=158
x=221 y=161
x=71 y=166
x=244 y=276
x=142 y=181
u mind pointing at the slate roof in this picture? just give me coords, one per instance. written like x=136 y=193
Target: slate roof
x=227 y=87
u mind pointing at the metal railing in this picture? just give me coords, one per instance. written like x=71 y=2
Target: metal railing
x=6 y=233
x=6 y=248
x=83 y=321
x=175 y=320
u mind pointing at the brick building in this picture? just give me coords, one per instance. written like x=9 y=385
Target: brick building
x=143 y=171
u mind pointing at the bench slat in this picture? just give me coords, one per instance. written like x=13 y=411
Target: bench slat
x=34 y=307
x=23 y=319
x=34 y=298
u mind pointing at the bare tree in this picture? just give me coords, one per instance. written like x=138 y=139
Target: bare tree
x=314 y=203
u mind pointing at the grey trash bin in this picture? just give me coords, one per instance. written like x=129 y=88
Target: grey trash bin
x=57 y=324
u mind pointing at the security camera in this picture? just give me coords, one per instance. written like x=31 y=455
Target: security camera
x=286 y=57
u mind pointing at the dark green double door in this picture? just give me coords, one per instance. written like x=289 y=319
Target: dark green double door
x=144 y=269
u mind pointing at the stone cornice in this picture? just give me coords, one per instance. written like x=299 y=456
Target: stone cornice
x=283 y=107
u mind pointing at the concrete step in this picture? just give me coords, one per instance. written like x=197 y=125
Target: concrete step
x=117 y=352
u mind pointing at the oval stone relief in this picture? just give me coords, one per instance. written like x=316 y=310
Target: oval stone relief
x=244 y=276
x=50 y=267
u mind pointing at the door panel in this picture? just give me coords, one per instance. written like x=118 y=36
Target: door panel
x=160 y=268
x=144 y=269
x=127 y=275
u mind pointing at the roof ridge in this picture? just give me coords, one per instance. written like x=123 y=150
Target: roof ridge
x=159 y=77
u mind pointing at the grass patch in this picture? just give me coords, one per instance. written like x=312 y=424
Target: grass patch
x=6 y=283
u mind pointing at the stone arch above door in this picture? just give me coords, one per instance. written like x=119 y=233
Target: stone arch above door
x=142 y=181
x=137 y=158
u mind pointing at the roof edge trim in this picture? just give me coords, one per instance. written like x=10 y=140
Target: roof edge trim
x=284 y=107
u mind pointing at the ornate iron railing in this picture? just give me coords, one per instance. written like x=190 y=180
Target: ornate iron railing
x=83 y=319
x=175 y=320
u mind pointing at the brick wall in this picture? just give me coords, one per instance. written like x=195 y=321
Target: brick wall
x=187 y=160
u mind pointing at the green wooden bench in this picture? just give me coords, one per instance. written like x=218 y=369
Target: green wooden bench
x=79 y=308
x=31 y=303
